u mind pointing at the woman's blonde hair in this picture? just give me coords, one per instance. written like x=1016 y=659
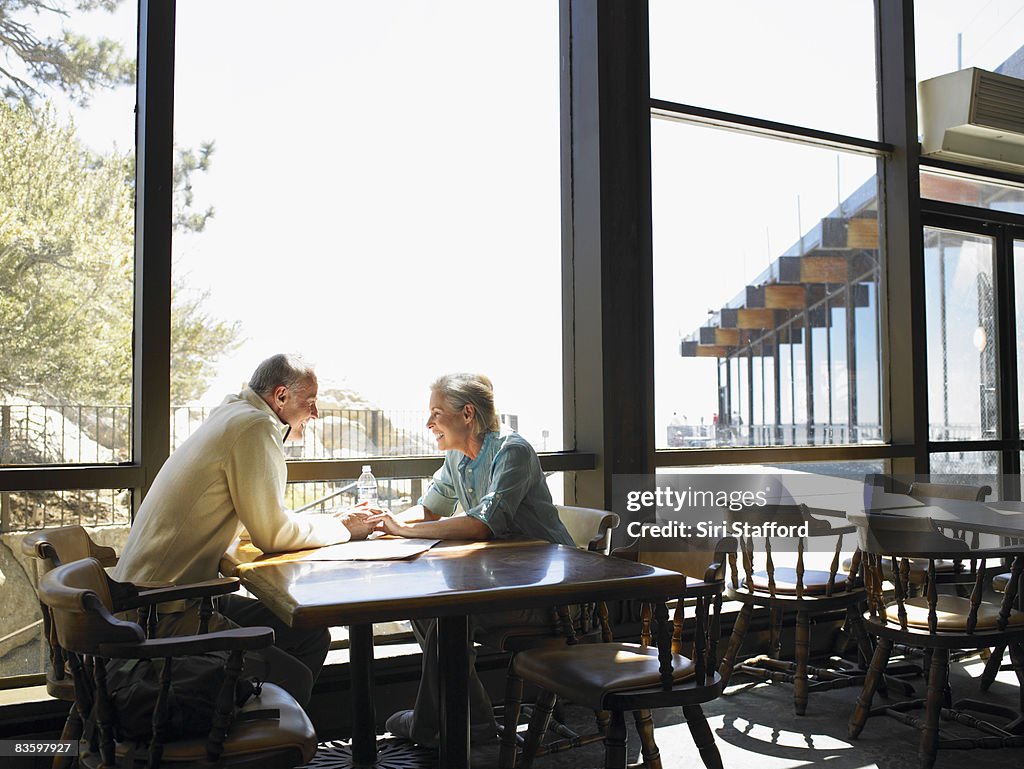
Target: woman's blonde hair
x=476 y=390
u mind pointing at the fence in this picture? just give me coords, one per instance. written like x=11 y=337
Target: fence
x=32 y=433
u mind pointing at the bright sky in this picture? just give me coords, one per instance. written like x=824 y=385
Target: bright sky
x=386 y=175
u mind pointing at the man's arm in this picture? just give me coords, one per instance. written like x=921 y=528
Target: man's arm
x=256 y=476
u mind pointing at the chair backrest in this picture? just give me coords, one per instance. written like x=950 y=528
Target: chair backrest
x=764 y=533
x=903 y=535
x=590 y=528
x=697 y=558
x=54 y=547
x=50 y=548
x=922 y=490
x=78 y=595
x=898 y=538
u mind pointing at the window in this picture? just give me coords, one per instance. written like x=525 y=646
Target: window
x=950 y=35
x=771 y=269
x=66 y=238
x=800 y=62
x=962 y=387
x=393 y=220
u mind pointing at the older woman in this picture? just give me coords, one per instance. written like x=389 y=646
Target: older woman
x=497 y=480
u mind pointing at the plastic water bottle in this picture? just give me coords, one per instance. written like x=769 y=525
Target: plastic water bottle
x=366 y=487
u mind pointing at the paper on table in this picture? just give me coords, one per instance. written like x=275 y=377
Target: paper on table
x=386 y=549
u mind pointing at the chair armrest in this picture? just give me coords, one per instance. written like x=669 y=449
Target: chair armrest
x=207 y=589
x=242 y=638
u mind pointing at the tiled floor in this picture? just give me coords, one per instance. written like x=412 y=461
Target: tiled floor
x=754 y=726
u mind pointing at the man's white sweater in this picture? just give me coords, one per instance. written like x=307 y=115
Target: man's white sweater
x=229 y=474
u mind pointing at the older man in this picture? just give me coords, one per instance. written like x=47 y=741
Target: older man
x=229 y=477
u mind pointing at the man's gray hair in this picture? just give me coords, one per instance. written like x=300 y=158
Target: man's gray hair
x=280 y=369
x=474 y=389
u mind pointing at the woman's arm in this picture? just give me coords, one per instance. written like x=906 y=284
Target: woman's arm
x=454 y=527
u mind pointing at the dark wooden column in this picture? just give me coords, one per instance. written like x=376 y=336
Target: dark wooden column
x=608 y=324
x=904 y=368
x=154 y=160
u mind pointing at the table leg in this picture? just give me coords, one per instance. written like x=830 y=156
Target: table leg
x=364 y=729
x=453 y=688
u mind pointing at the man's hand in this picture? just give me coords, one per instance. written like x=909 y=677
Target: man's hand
x=357 y=522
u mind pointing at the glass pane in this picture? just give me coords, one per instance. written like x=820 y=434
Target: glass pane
x=974 y=468
x=767 y=288
x=960 y=317
x=967 y=190
x=67 y=123
x=104 y=512
x=776 y=61
x=951 y=34
x=388 y=249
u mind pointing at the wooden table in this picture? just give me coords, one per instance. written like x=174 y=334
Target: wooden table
x=450 y=582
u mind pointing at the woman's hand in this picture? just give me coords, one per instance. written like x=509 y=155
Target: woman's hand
x=387 y=523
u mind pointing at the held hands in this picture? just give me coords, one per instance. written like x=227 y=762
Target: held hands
x=357 y=520
x=384 y=521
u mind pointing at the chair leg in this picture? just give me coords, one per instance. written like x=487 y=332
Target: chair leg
x=538 y=726
x=703 y=737
x=855 y=624
x=800 y=686
x=995 y=660
x=615 y=754
x=72 y=732
x=739 y=629
x=775 y=637
x=648 y=747
x=875 y=672
x=938 y=674
x=1017 y=660
x=513 y=702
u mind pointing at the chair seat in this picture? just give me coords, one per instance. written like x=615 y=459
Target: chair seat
x=951 y=613
x=815 y=581
x=60 y=688
x=292 y=732
x=587 y=674
x=917 y=566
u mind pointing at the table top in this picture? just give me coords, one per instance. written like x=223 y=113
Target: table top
x=453 y=578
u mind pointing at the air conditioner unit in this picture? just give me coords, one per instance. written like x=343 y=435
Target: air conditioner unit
x=974 y=117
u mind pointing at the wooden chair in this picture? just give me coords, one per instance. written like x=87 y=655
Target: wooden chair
x=590 y=529
x=619 y=677
x=792 y=589
x=947 y=571
x=50 y=548
x=934 y=622
x=270 y=730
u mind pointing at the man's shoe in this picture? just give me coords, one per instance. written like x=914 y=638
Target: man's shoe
x=400 y=725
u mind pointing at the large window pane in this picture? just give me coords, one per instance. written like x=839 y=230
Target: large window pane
x=66 y=233
x=801 y=62
x=951 y=34
x=960 y=318
x=380 y=206
x=766 y=282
